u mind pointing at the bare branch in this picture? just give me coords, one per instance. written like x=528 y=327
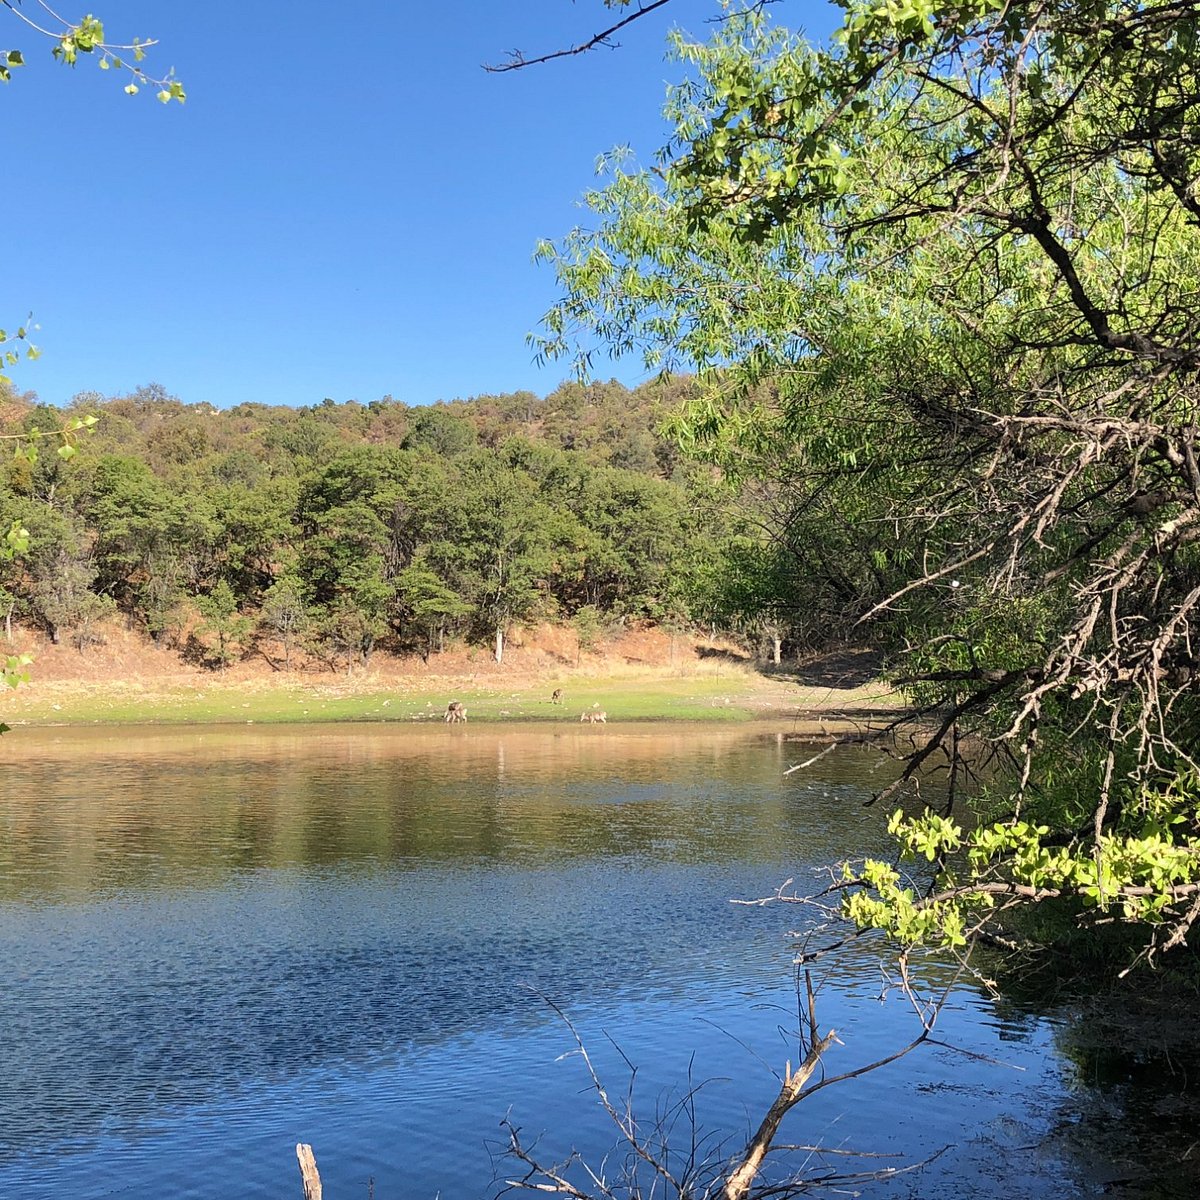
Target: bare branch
x=517 y=61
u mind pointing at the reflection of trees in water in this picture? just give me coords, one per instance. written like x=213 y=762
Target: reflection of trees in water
x=414 y=895
x=1131 y=1126
x=203 y=918
x=194 y=812
x=1136 y=1060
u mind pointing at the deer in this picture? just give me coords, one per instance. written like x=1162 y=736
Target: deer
x=597 y=717
x=455 y=711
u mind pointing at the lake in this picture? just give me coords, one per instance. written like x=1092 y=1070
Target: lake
x=218 y=943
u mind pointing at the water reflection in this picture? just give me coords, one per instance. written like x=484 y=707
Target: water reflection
x=177 y=810
x=240 y=939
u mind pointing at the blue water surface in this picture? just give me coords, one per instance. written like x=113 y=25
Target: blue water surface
x=217 y=945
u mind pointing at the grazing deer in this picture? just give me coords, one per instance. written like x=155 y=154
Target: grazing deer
x=598 y=717
x=556 y=696
x=455 y=712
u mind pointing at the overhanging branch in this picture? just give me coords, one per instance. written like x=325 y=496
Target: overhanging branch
x=517 y=60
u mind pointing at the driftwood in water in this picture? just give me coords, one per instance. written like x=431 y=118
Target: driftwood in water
x=308 y=1171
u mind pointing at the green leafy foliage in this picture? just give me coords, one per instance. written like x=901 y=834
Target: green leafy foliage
x=223 y=622
x=69 y=39
x=341 y=528
x=935 y=277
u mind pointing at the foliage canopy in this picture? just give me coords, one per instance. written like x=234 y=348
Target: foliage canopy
x=939 y=276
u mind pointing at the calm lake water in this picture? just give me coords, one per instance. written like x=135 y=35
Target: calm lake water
x=216 y=944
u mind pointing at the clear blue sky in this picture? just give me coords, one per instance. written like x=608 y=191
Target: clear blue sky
x=346 y=206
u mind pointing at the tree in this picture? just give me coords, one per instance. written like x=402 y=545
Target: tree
x=347 y=555
x=153 y=544
x=285 y=614
x=439 y=428
x=429 y=604
x=756 y=593
x=957 y=242
x=60 y=577
x=506 y=555
x=588 y=628
x=14 y=667
x=221 y=617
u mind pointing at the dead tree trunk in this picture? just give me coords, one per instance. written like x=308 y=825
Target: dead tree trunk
x=737 y=1186
x=308 y=1171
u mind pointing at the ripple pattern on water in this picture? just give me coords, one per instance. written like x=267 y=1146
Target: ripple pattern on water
x=217 y=945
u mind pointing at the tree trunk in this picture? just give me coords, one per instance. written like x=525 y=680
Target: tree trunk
x=499 y=644
x=776 y=648
x=737 y=1186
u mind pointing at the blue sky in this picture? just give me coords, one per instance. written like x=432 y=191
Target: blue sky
x=346 y=206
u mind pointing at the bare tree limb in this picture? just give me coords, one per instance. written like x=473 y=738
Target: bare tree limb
x=517 y=60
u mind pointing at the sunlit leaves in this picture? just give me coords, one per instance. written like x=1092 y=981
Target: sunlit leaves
x=8 y=60
x=70 y=39
x=1145 y=871
x=25 y=445
x=10 y=355
x=16 y=541
x=14 y=671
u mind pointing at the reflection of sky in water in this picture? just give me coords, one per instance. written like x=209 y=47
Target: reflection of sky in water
x=211 y=958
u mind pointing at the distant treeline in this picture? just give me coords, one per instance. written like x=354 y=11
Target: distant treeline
x=334 y=529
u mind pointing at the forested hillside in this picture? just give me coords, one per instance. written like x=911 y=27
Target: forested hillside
x=322 y=534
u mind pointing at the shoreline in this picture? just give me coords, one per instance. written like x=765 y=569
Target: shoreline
x=732 y=695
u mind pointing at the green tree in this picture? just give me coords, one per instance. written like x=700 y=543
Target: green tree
x=506 y=558
x=429 y=605
x=284 y=614
x=439 y=428
x=941 y=269
x=153 y=545
x=223 y=621
x=346 y=556
x=13 y=667
x=588 y=628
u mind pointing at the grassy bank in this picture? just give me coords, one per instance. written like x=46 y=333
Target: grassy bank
x=728 y=694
